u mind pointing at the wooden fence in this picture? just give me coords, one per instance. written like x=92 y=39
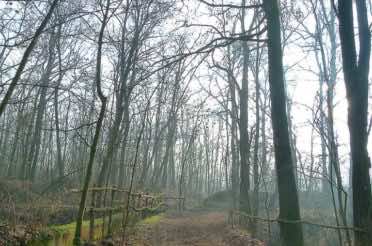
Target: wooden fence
x=107 y=201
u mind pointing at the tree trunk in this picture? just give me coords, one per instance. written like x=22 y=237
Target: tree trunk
x=256 y=144
x=101 y=117
x=356 y=71
x=36 y=142
x=59 y=163
x=291 y=233
x=243 y=128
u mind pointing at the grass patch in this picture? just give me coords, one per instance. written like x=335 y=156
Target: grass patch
x=61 y=235
x=153 y=219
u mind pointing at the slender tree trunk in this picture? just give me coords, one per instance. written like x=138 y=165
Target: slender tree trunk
x=12 y=165
x=243 y=128
x=60 y=164
x=227 y=151
x=256 y=140
x=126 y=126
x=146 y=150
x=356 y=71
x=93 y=148
x=233 y=139
x=123 y=99
x=26 y=140
x=36 y=142
x=190 y=143
x=291 y=233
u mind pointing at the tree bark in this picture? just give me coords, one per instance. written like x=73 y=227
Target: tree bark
x=101 y=117
x=36 y=141
x=243 y=128
x=291 y=233
x=256 y=144
x=356 y=71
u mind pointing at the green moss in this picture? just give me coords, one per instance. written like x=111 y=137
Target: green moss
x=153 y=219
x=70 y=228
x=63 y=235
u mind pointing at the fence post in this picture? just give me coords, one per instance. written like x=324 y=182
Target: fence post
x=91 y=216
x=109 y=229
x=151 y=205
x=139 y=201
x=147 y=200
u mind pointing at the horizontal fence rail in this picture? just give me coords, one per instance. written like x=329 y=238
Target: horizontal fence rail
x=110 y=200
x=235 y=214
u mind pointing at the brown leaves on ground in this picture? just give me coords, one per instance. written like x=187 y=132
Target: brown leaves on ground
x=192 y=229
x=18 y=235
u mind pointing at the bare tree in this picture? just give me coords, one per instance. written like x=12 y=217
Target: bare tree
x=291 y=233
x=25 y=57
x=356 y=71
x=101 y=116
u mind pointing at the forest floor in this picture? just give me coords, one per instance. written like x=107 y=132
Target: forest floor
x=192 y=229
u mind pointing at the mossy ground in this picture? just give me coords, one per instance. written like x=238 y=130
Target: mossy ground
x=63 y=235
x=152 y=220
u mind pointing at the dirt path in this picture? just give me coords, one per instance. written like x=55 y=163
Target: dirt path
x=196 y=229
